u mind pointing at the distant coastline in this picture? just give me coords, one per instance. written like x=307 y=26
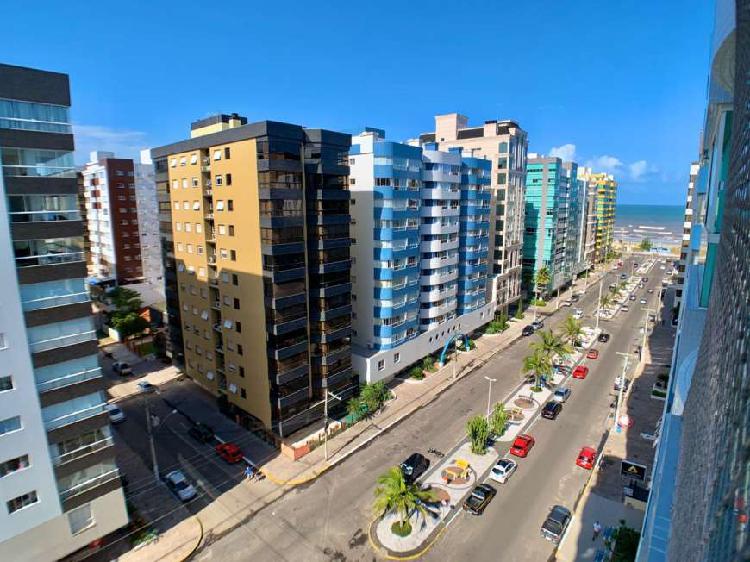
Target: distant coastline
x=662 y=224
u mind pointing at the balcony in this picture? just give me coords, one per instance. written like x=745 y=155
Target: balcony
x=208 y=216
x=331 y=313
x=62 y=341
x=52 y=302
x=294 y=398
x=83 y=451
x=211 y=260
x=208 y=193
x=289 y=349
x=334 y=266
x=292 y=373
x=67 y=380
x=336 y=379
x=74 y=417
x=279 y=275
x=89 y=484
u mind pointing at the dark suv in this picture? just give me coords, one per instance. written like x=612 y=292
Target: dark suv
x=414 y=467
x=551 y=410
x=603 y=337
x=201 y=432
x=557 y=522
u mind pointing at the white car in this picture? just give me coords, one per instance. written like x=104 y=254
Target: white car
x=145 y=386
x=577 y=313
x=644 y=301
x=179 y=485
x=115 y=414
x=503 y=470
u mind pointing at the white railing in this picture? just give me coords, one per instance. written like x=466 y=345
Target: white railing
x=51 y=302
x=73 y=378
x=62 y=341
x=83 y=451
x=89 y=484
x=75 y=416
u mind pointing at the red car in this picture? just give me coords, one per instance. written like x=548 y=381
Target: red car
x=230 y=452
x=593 y=354
x=586 y=458
x=580 y=372
x=522 y=445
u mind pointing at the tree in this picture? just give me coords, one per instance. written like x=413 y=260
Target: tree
x=125 y=300
x=572 y=330
x=498 y=419
x=394 y=494
x=128 y=324
x=551 y=344
x=478 y=431
x=541 y=281
x=539 y=364
x=645 y=245
x=606 y=301
x=374 y=395
x=519 y=310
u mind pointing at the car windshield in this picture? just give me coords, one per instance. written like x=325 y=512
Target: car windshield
x=478 y=494
x=553 y=526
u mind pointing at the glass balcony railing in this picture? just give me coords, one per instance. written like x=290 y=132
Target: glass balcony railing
x=89 y=484
x=74 y=417
x=51 y=302
x=83 y=451
x=73 y=378
x=62 y=341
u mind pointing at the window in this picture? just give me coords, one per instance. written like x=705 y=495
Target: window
x=236 y=303
x=20 y=502
x=230 y=205
x=220 y=205
x=233 y=255
x=186 y=205
x=178 y=226
x=396 y=357
x=217 y=154
x=227 y=153
x=219 y=180
x=173 y=162
x=119 y=173
x=188 y=226
x=6 y=383
x=183 y=161
x=10 y=424
x=222 y=229
x=231 y=230
x=239 y=349
x=176 y=205
x=184 y=183
x=193 y=158
x=14 y=465
x=243 y=393
x=242 y=373
x=381 y=365
x=196 y=205
x=194 y=182
x=238 y=327
x=229 y=179
x=80 y=518
x=198 y=227
x=235 y=279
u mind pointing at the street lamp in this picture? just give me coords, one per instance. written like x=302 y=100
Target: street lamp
x=620 y=393
x=489 y=395
x=152 y=424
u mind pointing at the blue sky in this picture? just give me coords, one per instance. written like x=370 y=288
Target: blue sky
x=620 y=84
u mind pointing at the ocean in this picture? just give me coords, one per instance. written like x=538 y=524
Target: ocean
x=662 y=224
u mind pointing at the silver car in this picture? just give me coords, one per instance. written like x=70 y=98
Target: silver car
x=561 y=394
x=503 y=470
x=179 y=485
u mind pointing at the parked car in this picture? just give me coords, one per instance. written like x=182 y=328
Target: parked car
x=603 y=337
x=561 y=394
x=643 y=301
x=479 y=499
x=527 y=331
x=556 y=524
x=623 y=275
x=537 y=325
x=567 y=302
x=503 y=470
x=522 y=445
x=592 y=354
x=586 y=458
x=144 y=386
x=577 y=313
x=179 y=485
x=115 y=414
x=625 y=308
x=631 y=297
x=413 y=467
x=122 y=368
x=551 y=410
x=576 y=297
x=201 y=432
x=580 y=372
x=618 y=383
x=229 y=452
x=650 y=291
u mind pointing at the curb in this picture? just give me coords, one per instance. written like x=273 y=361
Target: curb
x=190 y=554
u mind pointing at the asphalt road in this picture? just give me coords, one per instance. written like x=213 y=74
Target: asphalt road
x=328 y=519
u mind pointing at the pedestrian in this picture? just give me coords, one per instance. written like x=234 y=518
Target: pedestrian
x=248 y=472
x=597 y=530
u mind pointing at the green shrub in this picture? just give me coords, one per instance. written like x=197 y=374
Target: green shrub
x=428 y=364
x=416 y=372
x=478 y=431
x=401 y=528
x=498 y=419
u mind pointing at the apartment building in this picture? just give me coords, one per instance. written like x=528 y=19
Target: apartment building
x=59 y=485
x=420 y=251
x=112 y=215
x=606 y=202
x=505 y=144
x=686 y=230
x=590 y=219
x=148 y=222
x=697 y=507
x=575 y=261
x=258 y=266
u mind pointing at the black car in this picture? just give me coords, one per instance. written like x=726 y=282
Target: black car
x=414 y=467
x=603 y=337
x=556 y=523
x=551 y=410
x=201 y=432
x=479 y=499
x=538 y=325
x=527 y=331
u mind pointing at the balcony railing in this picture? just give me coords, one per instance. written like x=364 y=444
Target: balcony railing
x=73 y=378
x=83 y=451
x=51 y=302
x=49 y=259
x=62 y=341
x=67 y=419
x=89 y=484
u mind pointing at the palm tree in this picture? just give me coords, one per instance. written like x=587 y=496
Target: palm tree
x=539 y=363
x=393 y=493
x=541 y=280
x=606 y=301
x=551 y=344
x=572 y=329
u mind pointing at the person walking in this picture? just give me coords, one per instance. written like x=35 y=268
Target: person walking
x=248 y=472
x=597 y=530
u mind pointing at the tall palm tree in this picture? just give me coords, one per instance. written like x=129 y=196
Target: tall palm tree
x=393 y=493
x=572 y=330
x=539 y=364
x=551 y=344
x=606 y=301
x=541 y=280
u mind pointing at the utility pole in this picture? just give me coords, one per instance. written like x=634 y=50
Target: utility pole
x=325 y=417
x=599 y=302
x=620 y=393
x=557 y=306
x=489 y=396
x=150 y=431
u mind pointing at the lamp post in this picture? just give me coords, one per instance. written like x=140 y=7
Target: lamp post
x=325 y=417
x=489 y=395
x=152 y=424
x=620 y=393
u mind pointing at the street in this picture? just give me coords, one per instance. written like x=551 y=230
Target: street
x=328 y=519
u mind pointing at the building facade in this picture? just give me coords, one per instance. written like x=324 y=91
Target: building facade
x=589 y=220
x=420 y=251
x=505 y=144
x=59 y=483
x=606 y=202
x=698 y=504
x=685 y=245
x=112 y=215
x=575 y=261
x=148 y=222
x=260 y=239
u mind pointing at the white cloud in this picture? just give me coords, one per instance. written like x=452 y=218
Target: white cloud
x=566 y=152
x=606 y=163
x=642 y=170
x=123 y=142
